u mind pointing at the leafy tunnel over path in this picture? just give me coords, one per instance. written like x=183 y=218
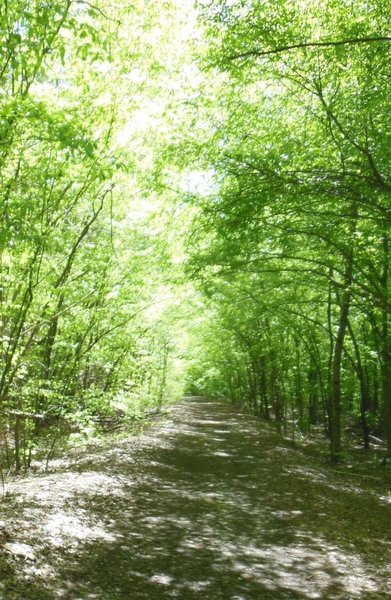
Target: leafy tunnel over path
x=195 y=198
x=207 y=504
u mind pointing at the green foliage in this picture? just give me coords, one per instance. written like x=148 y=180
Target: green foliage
x=291 y=246
x=85 y=304
x=145 y=155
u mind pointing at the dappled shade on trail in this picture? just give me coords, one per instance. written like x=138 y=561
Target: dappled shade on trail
x=207 y=505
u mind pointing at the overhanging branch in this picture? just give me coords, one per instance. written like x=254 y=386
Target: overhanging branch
x=304 y=45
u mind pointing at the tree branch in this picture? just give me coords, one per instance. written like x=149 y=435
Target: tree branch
x=304 y=45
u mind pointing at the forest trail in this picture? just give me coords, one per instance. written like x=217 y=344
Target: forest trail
x=206 y=505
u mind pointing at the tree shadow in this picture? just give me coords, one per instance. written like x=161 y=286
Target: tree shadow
x=211 y=509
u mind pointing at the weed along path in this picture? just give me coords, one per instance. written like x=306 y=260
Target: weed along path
x=206 y=505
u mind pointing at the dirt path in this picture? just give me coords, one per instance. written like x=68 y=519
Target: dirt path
x=207 y=505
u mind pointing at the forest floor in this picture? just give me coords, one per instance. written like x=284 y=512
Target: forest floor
x=207 y=504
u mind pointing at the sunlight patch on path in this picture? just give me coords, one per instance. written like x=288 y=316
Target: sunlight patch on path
x=61 y=528
x=309 y=571
x=58 y=488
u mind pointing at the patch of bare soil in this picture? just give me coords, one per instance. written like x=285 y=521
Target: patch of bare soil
x=207 y=504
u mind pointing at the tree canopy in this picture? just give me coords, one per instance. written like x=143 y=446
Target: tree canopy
x=195 y=197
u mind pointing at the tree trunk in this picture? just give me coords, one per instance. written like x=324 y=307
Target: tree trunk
x=334 y=401
x=364 y=389
x=263 y=388
x=385 y=417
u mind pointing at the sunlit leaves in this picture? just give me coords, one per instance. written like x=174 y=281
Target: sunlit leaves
x=301 y=157
x=84 y=293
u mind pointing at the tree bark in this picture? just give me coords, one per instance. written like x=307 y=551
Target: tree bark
x=385 y=352
x=336 y=362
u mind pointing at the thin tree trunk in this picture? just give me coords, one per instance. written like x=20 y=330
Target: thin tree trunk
x=364 y=390
x=386 y=354
x=336 y=362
